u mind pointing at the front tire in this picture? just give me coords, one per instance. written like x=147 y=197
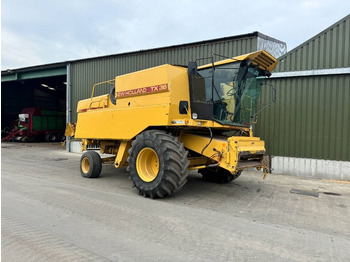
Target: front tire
x=158 y=164
x=90 y=164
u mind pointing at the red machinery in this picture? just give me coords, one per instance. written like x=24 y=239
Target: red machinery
x=35 y=123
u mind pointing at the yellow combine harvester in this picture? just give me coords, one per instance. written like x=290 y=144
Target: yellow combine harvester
x=164 y=121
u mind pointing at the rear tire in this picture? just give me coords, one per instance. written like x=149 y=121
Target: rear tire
x=61 y=137
x=50 y=137
x=90 y=164
x=218 y=175
x=158 y=164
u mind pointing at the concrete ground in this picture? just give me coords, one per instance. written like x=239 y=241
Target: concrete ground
x=51 y=213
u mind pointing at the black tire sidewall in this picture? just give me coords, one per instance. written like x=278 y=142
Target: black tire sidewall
x=95 y=164
x=52 y=137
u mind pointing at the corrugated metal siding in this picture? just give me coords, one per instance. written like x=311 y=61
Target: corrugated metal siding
x=329 y=49
x=88 y=72
x=310 y=119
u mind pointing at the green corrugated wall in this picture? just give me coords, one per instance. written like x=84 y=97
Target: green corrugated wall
x=328 y=49
x=310 y=119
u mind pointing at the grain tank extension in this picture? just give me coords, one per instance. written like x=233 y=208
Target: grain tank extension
x=164 y=121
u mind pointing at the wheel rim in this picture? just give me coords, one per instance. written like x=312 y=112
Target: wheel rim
x=85 y=165
x=147 y=164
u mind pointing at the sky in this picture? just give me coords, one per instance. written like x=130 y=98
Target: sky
x=40 y=31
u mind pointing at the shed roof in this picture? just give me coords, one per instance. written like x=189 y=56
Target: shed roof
x=12 y=74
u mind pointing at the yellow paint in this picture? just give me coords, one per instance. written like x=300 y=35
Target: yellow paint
x=122 y=154
x=225 y=152
x=85 y=165
x=147 y=164
x=151 y=98
x=120 y=123
x=70 y=129
x=99 y=119
x=262 y=58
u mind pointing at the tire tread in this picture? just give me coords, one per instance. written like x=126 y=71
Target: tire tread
x=175 y=170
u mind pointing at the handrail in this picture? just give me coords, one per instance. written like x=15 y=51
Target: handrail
x=111 y=82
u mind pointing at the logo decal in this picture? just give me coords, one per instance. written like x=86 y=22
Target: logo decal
x=143 y=90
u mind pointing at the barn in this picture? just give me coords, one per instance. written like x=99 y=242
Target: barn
x=306 y=128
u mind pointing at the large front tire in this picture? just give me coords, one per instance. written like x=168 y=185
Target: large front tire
x=158 y=164
x=90 y=164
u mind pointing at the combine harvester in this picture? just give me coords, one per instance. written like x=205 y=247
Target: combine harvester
x=164 y=121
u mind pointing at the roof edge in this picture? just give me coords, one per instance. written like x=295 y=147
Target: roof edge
x=65 y=63
x=34 y=68
x=156 y=49
x=314 y=37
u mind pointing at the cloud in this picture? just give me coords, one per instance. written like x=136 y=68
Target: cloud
x=312 y=4
x=18 y=51
x=51 y=31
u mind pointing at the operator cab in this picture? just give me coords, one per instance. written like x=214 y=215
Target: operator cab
x=227 y=91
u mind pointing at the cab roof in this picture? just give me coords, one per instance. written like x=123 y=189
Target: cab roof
x=263 y=59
